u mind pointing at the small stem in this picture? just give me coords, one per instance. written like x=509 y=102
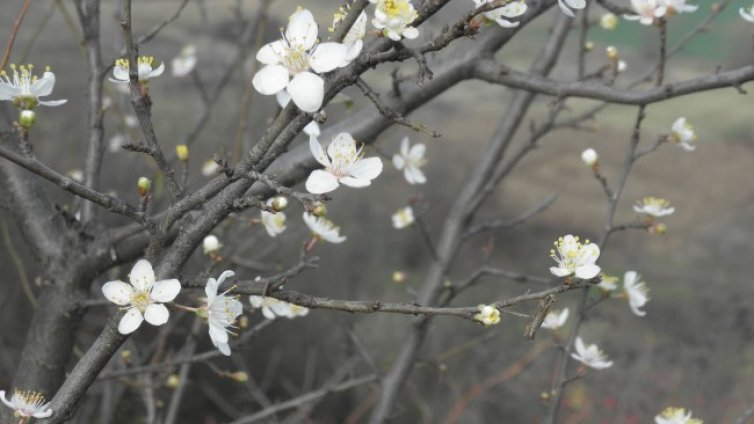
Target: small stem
x=185 y=308
x=663 y=51
x=14 y=32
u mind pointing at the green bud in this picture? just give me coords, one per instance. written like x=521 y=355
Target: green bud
x=27 y=118
x=144 y=186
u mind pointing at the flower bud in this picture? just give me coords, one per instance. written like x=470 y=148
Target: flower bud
x=143 y=186
x=27 y=118
x=182 y=152
x=211 y=245
x=588 y=46
x=126 y=356
x=612 y=53
x=239 y=376
x=622 y=65
x=609 y=21
x=589 y=157
x=279 y=203
x=319 y=210
x=173 y=381
x=399 y=277
x=243 y=322
x=659 y=229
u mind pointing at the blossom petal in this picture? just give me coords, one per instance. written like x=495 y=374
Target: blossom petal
x=399 y=162
x=353 y=50
x=43 y=414
x=271 y=53
x=417 y=152
x=165 y=290
x=155 y=72
x=130 y=321
x=312 y=128
x=120 y=74
x=410 y=32
x=320 y=182
x=218 y=334
x=267 y=312
x=318 y=152
x=405 y=147
x=156 y=314
x=283 y=98
x=224 y=276
x=53 y=103
x=142 y=275
x=43 y=86
x=302 y=29
x=270 y=79
x=366 y=169
x=565 y=9
x=210 y=289
x=307 y=91
x=327 y=56
x=588 y=271
x=354 y=182
x=118 y=292
x=6 y=401
x=8 y=92
x=414 y=175
x=559 y=272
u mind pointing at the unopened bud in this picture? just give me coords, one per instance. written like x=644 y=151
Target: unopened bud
x=588 y=46
x=239 y=376
x=126 y=356
x=143 y=186
x=319 y=210
x=659 y=229
x=609 y=21
x=279 y=203
x=173 y=381
x=27 y=118
x=589 y=157
x=399 y=277
x=612 y=53
x=544 y=396
x=243 y=322
x=182 y=152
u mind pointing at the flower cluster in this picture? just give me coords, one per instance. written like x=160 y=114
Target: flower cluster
x=394 y=18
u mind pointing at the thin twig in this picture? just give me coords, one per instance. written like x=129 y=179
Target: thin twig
x=14 y=32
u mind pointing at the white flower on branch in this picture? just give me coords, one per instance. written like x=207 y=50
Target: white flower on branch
x=403 y=218
x=394 y=18
x=654 y=206
x=410 y=160
x=353 y=39
x=488 y=315
x=555 y=319
x=283 y=98
x=501 y=15
x=675 y=7
x=211 y=245
x=608 y=21
x=343 y=163
x=145 y=70
x=574 y=257
x=636 y=291
x=27 y=404
x=24 y=88
x=185 y=62
x=220 y=312
x=145 y=297
x=210 y=168
x=273 y=308
x=274 y=223
x=589 y=157
x=567 y=5
x=683 y=134
x=323 y=228
x=590 y=356
x=647 y=11
x=289 y=60
x=608 y=283
x=747 y=14
x=672 y=415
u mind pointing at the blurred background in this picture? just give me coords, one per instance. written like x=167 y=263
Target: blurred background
x=692 y=349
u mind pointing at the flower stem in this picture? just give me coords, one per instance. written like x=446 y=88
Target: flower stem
x=185 y=308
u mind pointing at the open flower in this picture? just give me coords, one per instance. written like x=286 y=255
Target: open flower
x=343 y=164
x=144 y=295
x=488 y=315
x=676 y=416
x=27 y=404
x=273 y=308
x=145 y=70
x=185 y=62
x=220 y=312
x=747 y=14
x=283 y=98
x=636 y=292
x=683 y=134
x=410 y=160
x=654 y=206
x=555 y=319
x=323 y=228
x=501 y=15
x=394 y=18
x=274 y=223
x=574 y=257
x=567 y=5
x=403 y=218
x=647 y=11
x=289 y=60
x=24 y=88
x=590 y=356
x=675 y=7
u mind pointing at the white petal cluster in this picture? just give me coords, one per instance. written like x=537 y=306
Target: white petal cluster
x=24 y=88
x=574 y=257
x=273 y=308
x=274 y=223
x=590 y=356
x=27 y=404
x=672 y=415
x=555 y=319
x=403 y=218
x=221 y=312
x=323 y=228
x=683 y=133
x=589 y=157
x=145 y=70
x=502 y=15
x=211 y=245
x=143 y=298
x=567 y=6
x=343 y=162
x=394 y=18
x=410 y=160
x=488 y=315
x=289 y=63
x=654 y=206
x=747 y=14
x=636 y=291
x=185 y=62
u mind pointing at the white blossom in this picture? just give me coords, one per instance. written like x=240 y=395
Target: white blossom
x=211 y=244
x=210 y=168
x=221 y=312
x=488 y=315
x=288 y=62
x=683 y=133
x=647 y=11
x=403 y=218
x=747 y=14
x=144 y=70
x=636 y=292
x=27 y=404
x=654 y=206
x=676 y=416
x=608 y=283
x=678 y=6
x=589 y=157
x=273 y=308
x=574 y=257
x=115 y=143
x=567 y=5
x=343 y=163
x=501 y=15
x=274 y=223
x=608 y=21
x=145 y=297
x=590 y=356
x=323 y=228
x=24 y=88
x=185 y=62
x=283 y=98
x=555 y=319
x=410 y=160
x=394 y=18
